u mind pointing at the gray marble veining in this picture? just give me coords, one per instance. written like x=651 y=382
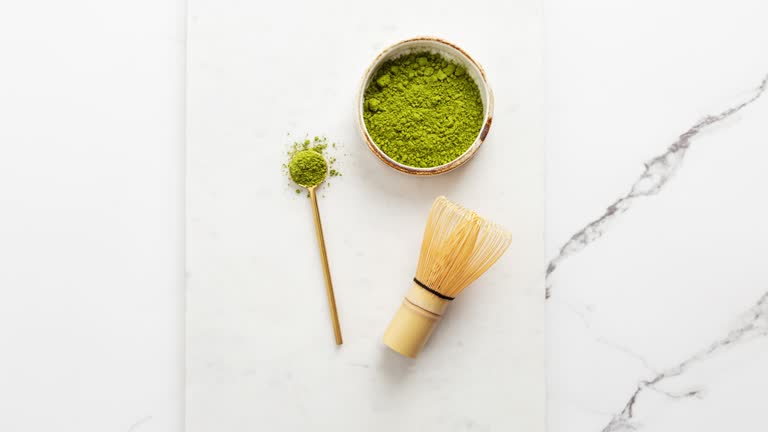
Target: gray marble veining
x=754 y=324
x=658 y=171
x=654 y=177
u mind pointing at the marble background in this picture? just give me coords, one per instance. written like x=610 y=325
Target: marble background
x=657 y=133
x=658 y=306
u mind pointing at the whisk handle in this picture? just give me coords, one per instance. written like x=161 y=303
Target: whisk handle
x=326 y=269
x=414 y=322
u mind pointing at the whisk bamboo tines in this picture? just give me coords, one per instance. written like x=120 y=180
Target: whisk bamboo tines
x=458 y=247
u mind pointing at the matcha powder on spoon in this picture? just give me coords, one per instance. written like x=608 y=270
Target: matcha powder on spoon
x=308 y=168
x=423 y=110
x=311 y=161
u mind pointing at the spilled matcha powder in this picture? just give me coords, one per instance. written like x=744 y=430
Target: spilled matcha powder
x=423 y=110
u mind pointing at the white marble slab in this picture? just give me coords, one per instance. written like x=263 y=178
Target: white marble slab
x=260 y=352
x=658 y=316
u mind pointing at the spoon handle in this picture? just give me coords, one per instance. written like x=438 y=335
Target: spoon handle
x=326 y=269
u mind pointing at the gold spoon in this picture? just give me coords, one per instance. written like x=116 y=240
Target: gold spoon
x=295 y=175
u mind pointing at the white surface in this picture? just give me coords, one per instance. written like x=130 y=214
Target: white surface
x=84 y=351
x=91 y=101
x=680 y=269
x=260 y=351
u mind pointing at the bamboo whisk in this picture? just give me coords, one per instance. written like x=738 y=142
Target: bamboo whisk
x=457 y=248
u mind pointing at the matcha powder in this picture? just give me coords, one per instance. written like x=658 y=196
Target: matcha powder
x=423 y=110
x=308 y=168
x=311 y=161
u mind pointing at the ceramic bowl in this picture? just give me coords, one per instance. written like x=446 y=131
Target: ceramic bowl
x=451 y=52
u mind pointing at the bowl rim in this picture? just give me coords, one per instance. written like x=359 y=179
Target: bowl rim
x=440 y=169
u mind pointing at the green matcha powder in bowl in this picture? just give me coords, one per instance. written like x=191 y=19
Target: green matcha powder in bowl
x=424 y=106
